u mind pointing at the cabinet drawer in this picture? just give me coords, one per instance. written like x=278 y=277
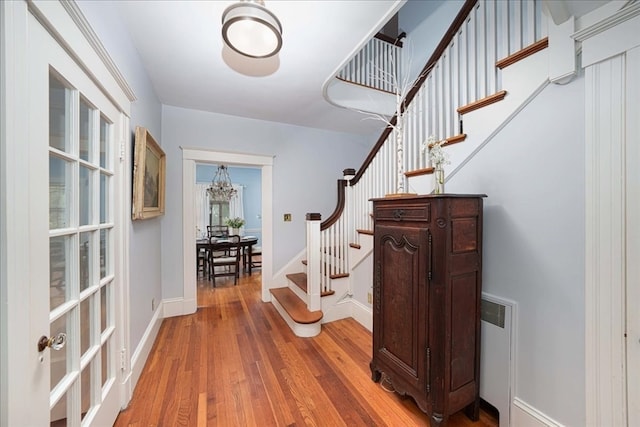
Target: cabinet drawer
x=406 y=212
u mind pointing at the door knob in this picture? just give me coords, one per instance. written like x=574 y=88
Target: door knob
x=56 y=342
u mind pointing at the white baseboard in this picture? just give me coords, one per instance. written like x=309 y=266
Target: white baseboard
x=350 y=308
x=525 y=415
x=336 y=311
x=363 y=314
x=141 y=353
x=178 y=307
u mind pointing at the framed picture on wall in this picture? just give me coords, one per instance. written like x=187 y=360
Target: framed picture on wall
x=149 y=163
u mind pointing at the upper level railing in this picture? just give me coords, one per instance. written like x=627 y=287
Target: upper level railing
x=375 y=65
x=461 y=71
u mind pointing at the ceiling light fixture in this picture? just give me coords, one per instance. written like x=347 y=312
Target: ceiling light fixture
x=221 y=189
x=251 y=29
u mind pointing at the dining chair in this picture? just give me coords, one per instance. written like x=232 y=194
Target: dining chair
x=202 y=262
x=225 y=259
x=217 y=231
x=256 y=257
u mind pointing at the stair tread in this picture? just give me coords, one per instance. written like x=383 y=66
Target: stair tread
x=300 y=280
x=295 y=307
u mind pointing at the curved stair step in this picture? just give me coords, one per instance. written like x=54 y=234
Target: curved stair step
x=303 y=323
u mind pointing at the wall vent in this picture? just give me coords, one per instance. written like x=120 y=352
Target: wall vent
x=492 y=312
x=496 y=359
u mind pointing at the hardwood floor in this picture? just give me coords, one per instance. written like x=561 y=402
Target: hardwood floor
x=235 y=362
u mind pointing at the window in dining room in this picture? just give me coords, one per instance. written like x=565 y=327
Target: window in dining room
x=218 y=212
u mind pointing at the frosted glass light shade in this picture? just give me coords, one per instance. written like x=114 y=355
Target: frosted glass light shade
x=251 y=30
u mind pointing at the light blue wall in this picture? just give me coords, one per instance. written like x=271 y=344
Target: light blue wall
x=425 y=23
x=533 y=173
x=307 y=163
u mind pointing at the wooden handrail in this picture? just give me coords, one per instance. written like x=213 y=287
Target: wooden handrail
x=385 y=38
x=342 y=184
x=437 y=53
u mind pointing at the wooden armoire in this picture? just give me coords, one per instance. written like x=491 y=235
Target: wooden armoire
x=427 y=287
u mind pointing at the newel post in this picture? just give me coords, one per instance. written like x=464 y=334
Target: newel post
x=313 y=261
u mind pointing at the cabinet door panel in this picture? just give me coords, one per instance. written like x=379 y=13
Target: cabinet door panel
x=401 y=336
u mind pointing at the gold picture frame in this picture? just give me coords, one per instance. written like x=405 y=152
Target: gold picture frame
x=149 y=169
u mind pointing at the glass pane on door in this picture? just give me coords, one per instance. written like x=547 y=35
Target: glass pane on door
x=105 y=363
x=59 y=269
x=87 y=391
x=60 y=173
x=104 y=143
x=86 y=261
x=59 y=358
x=86 y=195
x=59 y=104
x=85 y=321
x=86 y=130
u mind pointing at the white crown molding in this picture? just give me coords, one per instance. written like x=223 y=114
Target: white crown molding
x=617 y=18
x=83 y=25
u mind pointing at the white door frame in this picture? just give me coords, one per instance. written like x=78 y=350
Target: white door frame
x=202 y=155
x=67 y=25
x=14 y=249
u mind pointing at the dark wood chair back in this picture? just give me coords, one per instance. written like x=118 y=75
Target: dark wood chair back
x=225 y=259
x=217 y=231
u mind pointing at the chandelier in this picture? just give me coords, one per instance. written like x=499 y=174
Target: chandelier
x=221 y=189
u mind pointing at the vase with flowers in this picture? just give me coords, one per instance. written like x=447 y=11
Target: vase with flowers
x=235 y=224
x=438 y=158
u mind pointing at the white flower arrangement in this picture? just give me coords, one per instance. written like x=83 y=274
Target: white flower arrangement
x=236 y=222
x=437 y=155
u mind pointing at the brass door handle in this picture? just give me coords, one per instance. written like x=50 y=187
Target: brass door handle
x=56 y=342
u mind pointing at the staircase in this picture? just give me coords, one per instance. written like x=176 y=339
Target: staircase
x=489 y=65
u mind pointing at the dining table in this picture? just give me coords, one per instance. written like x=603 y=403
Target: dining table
x=217 y=243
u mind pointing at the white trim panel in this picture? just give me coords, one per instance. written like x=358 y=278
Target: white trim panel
x=605 y=261
x=633 y=236
x=362 y=314
x=178 y=306
x=141 y=354
x=525 y=415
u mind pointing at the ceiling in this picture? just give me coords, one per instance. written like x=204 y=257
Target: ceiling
x=181 y=47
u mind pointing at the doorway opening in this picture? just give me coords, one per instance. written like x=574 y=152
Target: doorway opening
x=193 y=156
x=213 y=213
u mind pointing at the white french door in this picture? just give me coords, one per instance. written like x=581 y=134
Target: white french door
x=74 y=178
